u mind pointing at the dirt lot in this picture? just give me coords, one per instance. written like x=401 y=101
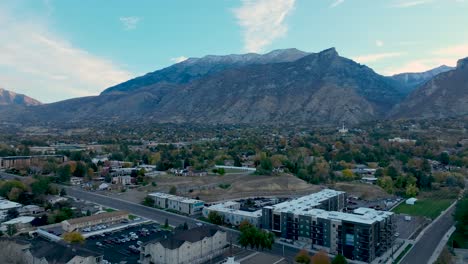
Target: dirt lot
x=235 y=186
x=362 y=190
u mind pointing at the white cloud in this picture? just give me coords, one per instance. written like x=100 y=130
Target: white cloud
x=130 y=22
x=444 y=56
x=410 y=3
x=263 y=21
x=41 y=64
x=379 y=43
x=376 y=57
x=421 y=65
x=336 y=3
x=178 y=59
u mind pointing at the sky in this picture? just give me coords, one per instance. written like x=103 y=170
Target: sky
x=53 y=50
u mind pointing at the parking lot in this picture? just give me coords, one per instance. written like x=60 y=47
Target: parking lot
x=124 y=244
x=412 y=225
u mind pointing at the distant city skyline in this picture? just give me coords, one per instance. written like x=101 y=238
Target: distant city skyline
x=55 y=50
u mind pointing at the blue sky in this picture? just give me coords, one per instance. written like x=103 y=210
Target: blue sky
x=54 y=50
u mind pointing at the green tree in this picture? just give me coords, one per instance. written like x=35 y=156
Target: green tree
x=81 y=170
x=148 y=201
x=339 y=259
x=166 y=223
x=386 y=183
x=12 y=213
x=63 y=192
x=64 y=173
x=173 y=190
x=411 y=190
x=11 y=230
x=215 y=218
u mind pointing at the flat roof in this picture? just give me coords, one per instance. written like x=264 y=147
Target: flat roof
x=305 y=203
x=95 y=217
x=223 y=207
x=175 y=198
x=360 y=215
x=20 y=220
x=6 y=204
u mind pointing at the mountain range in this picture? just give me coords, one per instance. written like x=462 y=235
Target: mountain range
x=283 y=86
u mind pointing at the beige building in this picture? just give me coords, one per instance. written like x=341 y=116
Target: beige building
x=193 y=246
x=177 y=203
x=97 y=219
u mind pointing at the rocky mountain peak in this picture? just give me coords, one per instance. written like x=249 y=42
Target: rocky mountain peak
x=462 y=63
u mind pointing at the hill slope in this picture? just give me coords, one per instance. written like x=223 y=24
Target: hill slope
x=196 y=68
x=412 y=80
x=444 y=96
x=9 y=98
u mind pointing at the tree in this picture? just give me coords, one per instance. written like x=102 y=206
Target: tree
x=221 y=171
x=80 y=170
x=302 y=257
x=12 y=213
x=185 y=227
x=11 y=230
x=339 y=259
x=348 y=174
x=215 y=218
x=74 y=237
x=320 y=258
x=386 y=183
x=255 y=237
x=63 y=192
x=166 y=223
x=64 y=173
x=148 y=201
x=444 y=158
x=411 y=190
x=173 y=190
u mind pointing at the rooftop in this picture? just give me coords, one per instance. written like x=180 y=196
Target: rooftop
x=224 y=207
x=305 y=203
x=6 y=204
x=96 y=217
x=359 y=215
x=192 y=235
x=19 y=220
x=174 y=197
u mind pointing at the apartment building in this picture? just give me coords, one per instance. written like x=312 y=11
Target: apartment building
x=23 y=162
x=361 y=235
x=193 y=246
x=233 y=215
x=177 y=203
x=97 y=219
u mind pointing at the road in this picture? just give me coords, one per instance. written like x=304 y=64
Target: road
x=423 y=249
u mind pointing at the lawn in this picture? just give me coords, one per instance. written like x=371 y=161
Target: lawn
x=429 y=204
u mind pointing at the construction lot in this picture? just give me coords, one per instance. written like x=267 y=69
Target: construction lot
x=219 y=188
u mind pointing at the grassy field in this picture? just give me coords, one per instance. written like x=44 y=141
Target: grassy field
x=429 y=204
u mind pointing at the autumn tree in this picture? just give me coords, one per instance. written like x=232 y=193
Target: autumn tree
x=302 y=257
x=320 y=257
x=74 y=237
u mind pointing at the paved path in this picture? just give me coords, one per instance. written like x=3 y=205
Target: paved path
x=423 y=249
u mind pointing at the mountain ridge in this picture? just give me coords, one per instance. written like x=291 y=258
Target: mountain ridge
x=8 y=98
